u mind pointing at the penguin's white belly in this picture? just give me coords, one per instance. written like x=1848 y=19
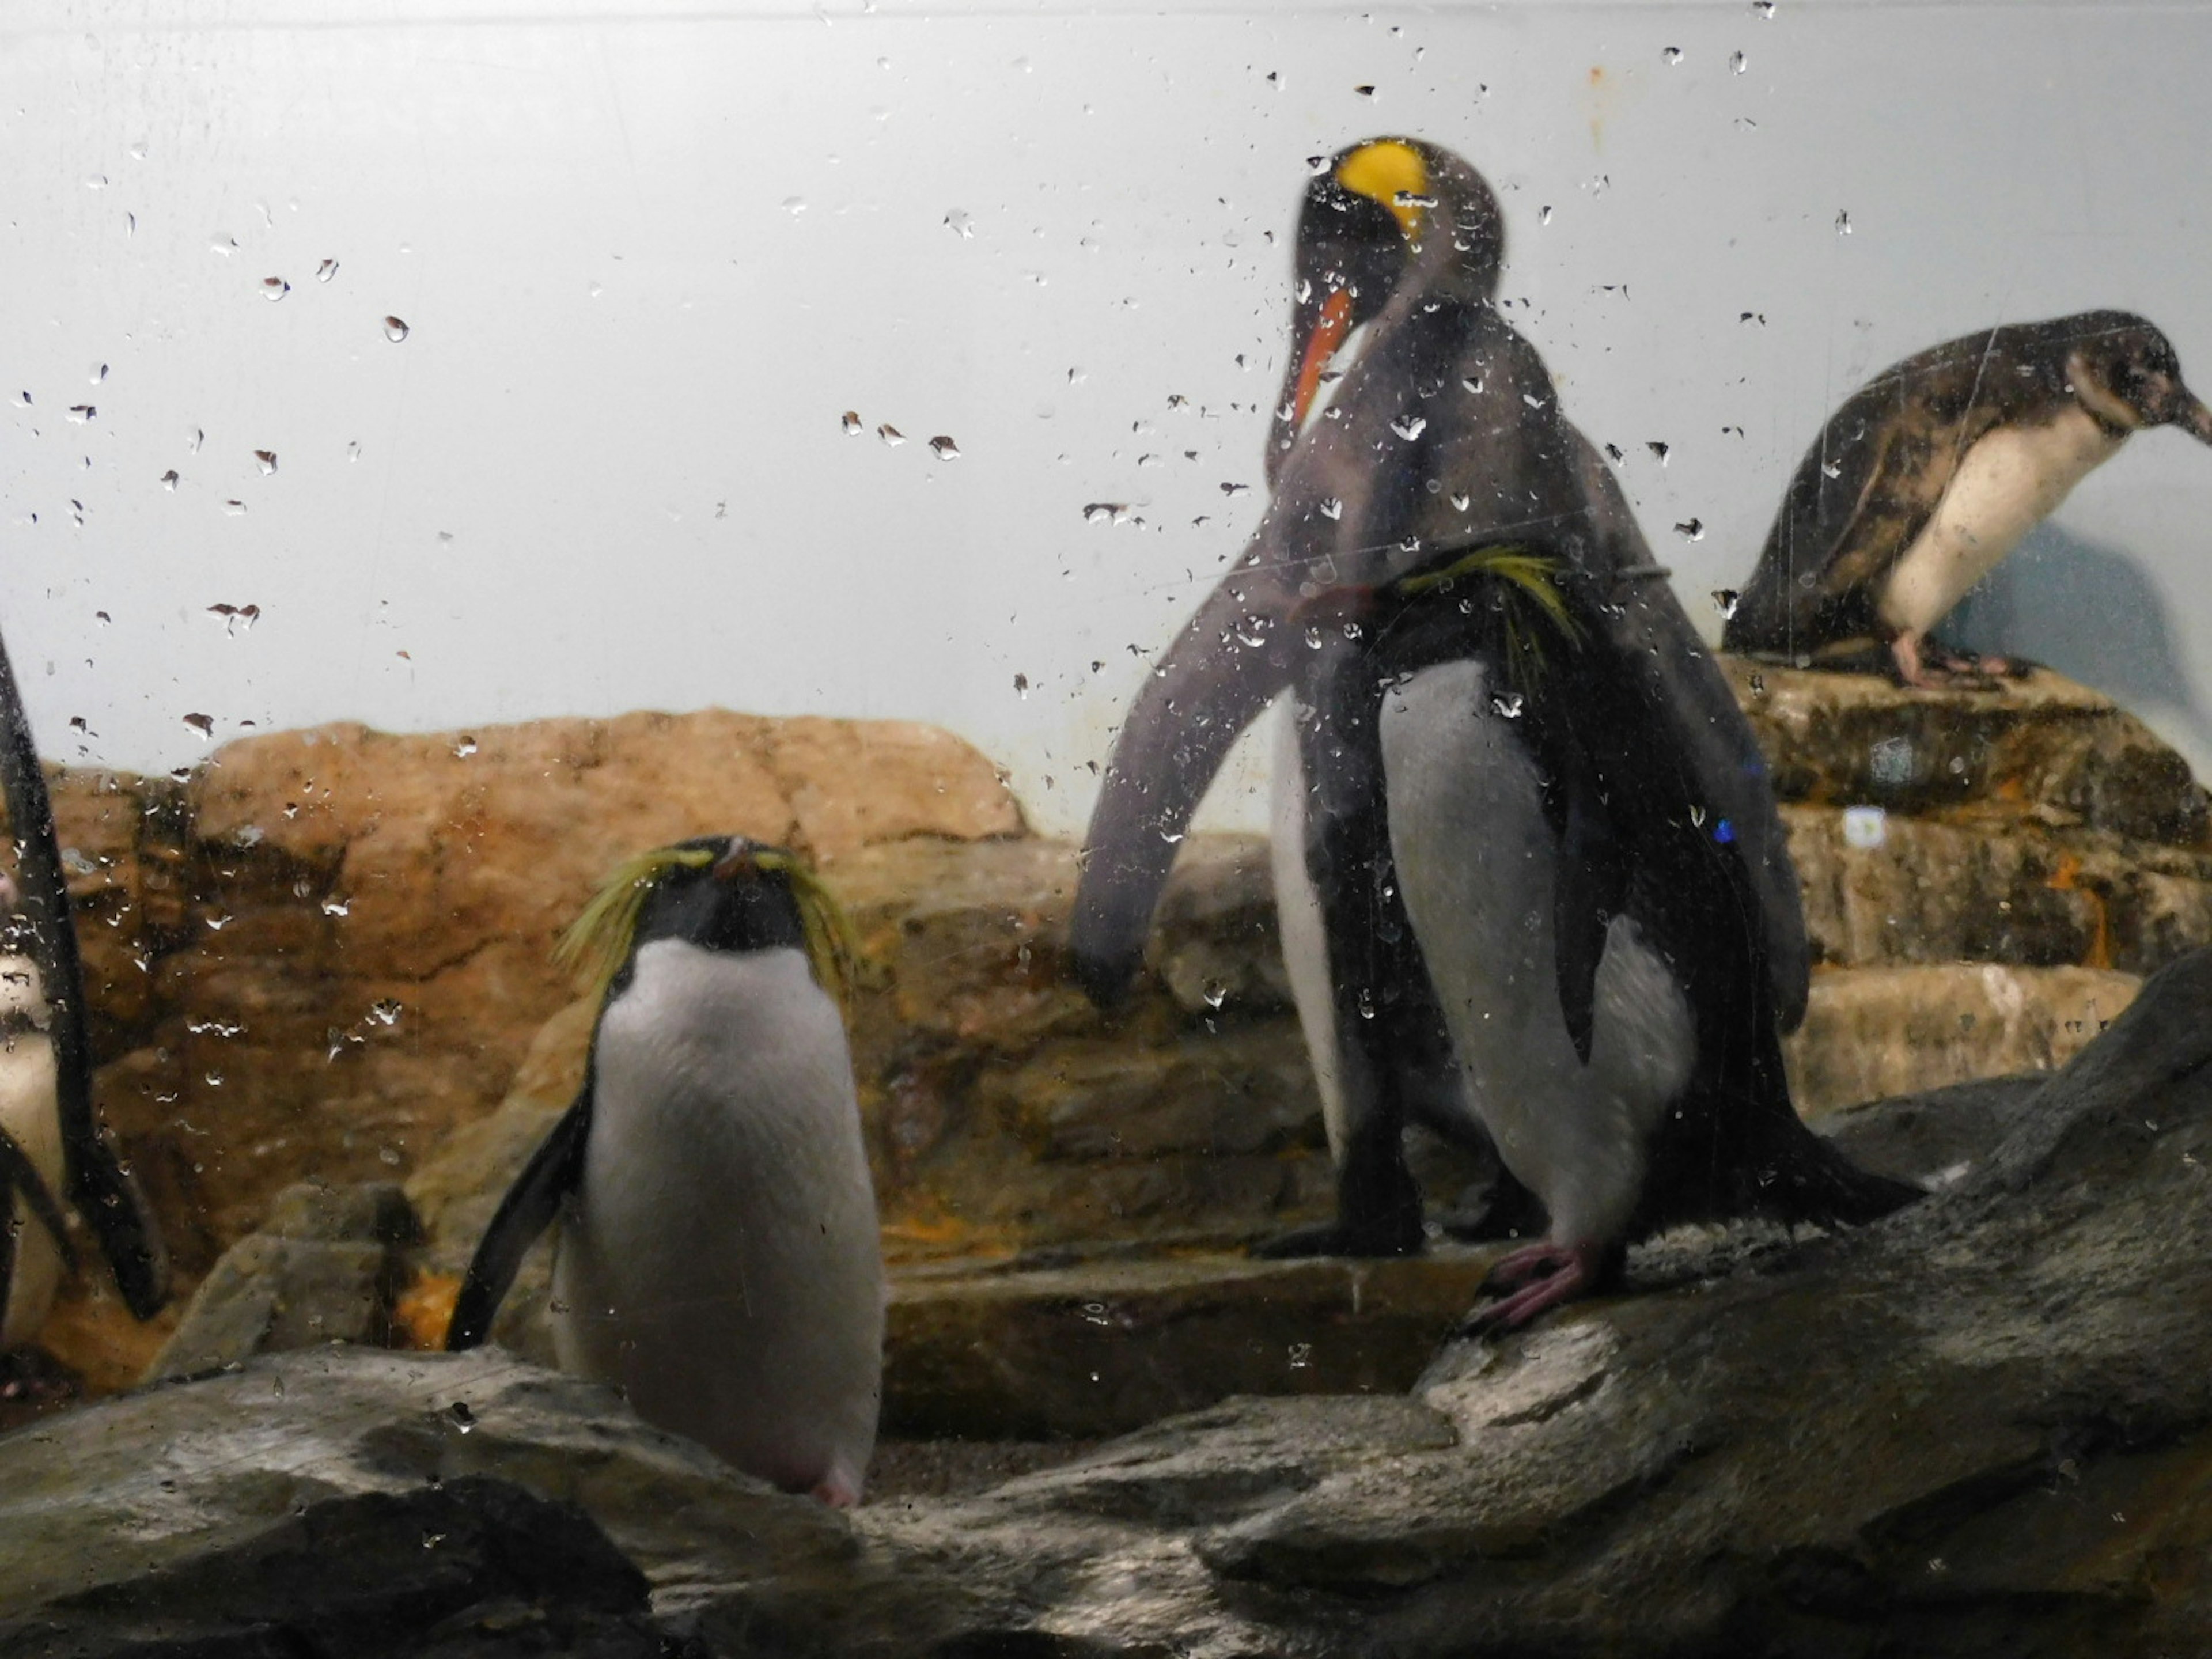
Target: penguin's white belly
x=1475 y=864
x=2006 y=485
x=721 y=1261
x=28 y=1111
x=1299 y=922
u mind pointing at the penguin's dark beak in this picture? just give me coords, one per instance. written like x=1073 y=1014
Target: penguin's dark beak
x=2190 y=414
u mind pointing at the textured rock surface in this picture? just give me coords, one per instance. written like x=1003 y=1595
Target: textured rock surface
x=1982 y=1426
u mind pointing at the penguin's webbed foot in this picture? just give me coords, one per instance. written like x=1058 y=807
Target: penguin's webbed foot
x=1341 y=1237
x=1929 y=665
x=1574 y=1270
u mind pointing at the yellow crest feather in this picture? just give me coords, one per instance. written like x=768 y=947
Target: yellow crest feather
x=1533 y=577
x=595 y=946
x=1392 y=173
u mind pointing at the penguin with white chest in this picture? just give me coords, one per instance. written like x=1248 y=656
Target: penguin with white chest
x=54 y=1148
x=1932 y=471
x=1445 y=432
x=1595 y=946
x=719 y=1257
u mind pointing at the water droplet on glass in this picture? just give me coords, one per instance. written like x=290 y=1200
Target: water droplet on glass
x=1737 y=63
x=324 y=271
x=1215 y=992
x=169 y=479
x=1831 y=469
x=394 y=330
x=1235 y=489
x=959 y=223
x=274 y=288
x=203 y=724
x=268 y=460
x=1331 y=507
x=1673 y=54
x=464 y=748
x=890 y=435
x=338 y=907
x=794 y=205
x=1725 y=600
x=1544 y=215
x=852 y=422
x=385 y=1012
x=1365 y=1002
x=1173 y=838
x=944 y=448
x=1106 y=513
x=1658 y=451
x=80 y=413
x=463 y=1418
x=1409 y=426
x=1506 y=704
x=1843 y=224
x=1690 y=530
x=235 y=508
x=1366 y=90
x=1095 y=1313
x=1301 y=1356
x=1022 y=684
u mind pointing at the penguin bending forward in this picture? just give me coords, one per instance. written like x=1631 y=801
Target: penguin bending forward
x=1933 y=471
x=1445 y=432
x=1593 y=934
x=719 y=1257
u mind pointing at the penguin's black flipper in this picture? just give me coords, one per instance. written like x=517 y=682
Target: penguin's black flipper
x=105 y=1191
x=1589 y=887
x=19 y=1174
x=553 y=1172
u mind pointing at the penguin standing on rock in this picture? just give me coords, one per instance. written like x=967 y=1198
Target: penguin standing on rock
x=1932 y=471
x=1445 y=433
x=53 y=1148
x=1596 y=949
x=718 y=1257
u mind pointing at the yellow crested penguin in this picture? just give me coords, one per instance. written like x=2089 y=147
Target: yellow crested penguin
x=53 y=1145
x=1933 y=471
x=1446 y=433
x=1596 y=947
x=719 y=1257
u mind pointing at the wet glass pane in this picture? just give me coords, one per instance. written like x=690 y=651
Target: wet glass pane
x=1268 y=829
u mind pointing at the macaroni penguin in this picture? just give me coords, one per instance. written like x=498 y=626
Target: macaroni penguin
x=719 y=1258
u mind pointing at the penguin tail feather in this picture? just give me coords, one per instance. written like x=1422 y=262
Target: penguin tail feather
x=1806 y=1178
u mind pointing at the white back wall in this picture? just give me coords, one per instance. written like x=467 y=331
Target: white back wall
x=645 y=262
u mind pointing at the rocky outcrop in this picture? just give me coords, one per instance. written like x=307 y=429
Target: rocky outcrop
x=1981 y=1426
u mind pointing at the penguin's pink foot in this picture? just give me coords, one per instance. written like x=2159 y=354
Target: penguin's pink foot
x=837 y=1493
x=1568 y=1271
x=1933 y=666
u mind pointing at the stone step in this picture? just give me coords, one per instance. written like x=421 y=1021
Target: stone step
x=2040 y=744
x=1883 y=889
x=994 y=1351
x=1872 y=1032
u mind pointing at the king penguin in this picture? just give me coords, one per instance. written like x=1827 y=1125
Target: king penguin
x=1445 y=433
x=1933 y=471
x=719 y=1258
x=1597 y=952
x=54 y=1148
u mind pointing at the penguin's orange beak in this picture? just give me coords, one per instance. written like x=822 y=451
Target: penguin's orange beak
x=1328 y=331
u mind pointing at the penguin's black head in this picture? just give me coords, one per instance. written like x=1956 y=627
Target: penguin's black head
x=1377 y=216
x=720 y=892
x=2124 y=371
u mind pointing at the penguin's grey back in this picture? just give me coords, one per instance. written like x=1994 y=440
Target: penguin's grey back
x=721 y=1261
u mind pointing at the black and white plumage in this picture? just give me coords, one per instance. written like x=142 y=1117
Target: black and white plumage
x=1932 y=471
x=719 y=1257
x=54 y=1148
x=1446 y=432
x=1593 y=936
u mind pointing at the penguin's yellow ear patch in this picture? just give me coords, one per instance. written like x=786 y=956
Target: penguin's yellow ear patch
x=600 y=938
x=833 y=949
x=1392 y=173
